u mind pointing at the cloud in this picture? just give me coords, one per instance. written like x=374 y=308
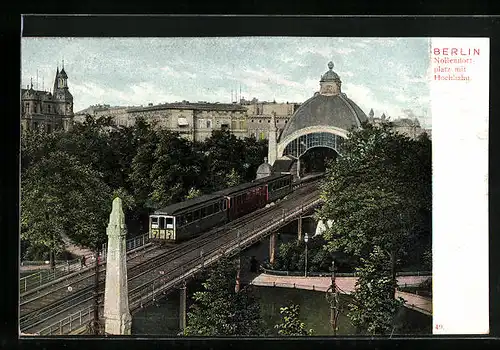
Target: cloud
x=264 y=75
x=365 y=98
x=386 y=74
x=343 y=51
x=170 y=71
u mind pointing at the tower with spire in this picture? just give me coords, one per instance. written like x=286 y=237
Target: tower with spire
x=62 y=97
x=45 y=110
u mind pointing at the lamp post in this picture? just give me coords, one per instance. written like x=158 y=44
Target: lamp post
x=306 y=239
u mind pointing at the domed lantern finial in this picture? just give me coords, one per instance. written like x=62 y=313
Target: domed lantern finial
x=330 y=65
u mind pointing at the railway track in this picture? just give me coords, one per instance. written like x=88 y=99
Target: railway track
x=170 y=262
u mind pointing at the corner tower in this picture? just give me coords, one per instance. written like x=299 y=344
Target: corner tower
x=63 y=98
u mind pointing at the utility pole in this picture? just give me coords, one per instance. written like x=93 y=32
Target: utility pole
x=332 y=298
x=237 y=287
x=96 y=295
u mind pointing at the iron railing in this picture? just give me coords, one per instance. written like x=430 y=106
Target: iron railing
x=40 y=278
x=148 y=291
x=68 y=324
x=338 y=274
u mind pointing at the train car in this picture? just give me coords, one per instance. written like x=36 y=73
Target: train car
x=278 y=186
x=183 y=220
x=245 y=198
x=310 y=178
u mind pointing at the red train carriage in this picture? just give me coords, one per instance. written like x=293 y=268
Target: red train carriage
x=245 y=198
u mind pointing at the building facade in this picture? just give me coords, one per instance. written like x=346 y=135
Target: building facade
x=196 y=121
x=48 y=111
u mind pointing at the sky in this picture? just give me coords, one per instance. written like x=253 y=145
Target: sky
x=386 y=74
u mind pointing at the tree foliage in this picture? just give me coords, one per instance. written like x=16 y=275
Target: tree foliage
x=219 y=311
x=290 y=324
x=147 y=166
x=378 y=193
x=291 y=257
x=61 y=195
x=374 y=309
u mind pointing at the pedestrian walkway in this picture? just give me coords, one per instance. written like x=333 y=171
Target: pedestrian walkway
x=72 y=248
x=346 y=285
x=69 y=247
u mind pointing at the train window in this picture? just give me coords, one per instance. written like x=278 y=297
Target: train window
x=162 y=223
x=203 y=212
x=210 y=210
x=216 y=207
x=189 y=217
x=196 y=215
x=169 y=223
x=181 y=220
x=224 y=205
x=154 y=222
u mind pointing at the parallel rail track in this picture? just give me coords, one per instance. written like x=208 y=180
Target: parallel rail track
x=158 y=264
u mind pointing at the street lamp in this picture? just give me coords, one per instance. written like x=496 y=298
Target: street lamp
x=306 y=239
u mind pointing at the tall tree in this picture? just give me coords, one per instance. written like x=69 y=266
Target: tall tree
x=378 y=193
x=61 y=195
x=218 y=310
x=223 y=151
x=290 y=324
x=175 y=169
x=373 y=309
x=254 y=153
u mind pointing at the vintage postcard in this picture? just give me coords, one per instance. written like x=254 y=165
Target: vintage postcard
x=254 y=186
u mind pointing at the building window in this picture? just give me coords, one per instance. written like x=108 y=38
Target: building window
x=209 y=124
x=269 y=120
x=252 y=120
x=27 y=107
x=49 y=128
x=48 y=108
x=35 y=125
x=260 y=121
x=262 y=135
x=286 y=121
x=242 y=124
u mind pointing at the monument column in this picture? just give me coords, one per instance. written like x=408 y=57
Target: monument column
x=116 y=309
x=272 y=247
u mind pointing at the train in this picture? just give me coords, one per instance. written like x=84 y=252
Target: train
x=184 y=220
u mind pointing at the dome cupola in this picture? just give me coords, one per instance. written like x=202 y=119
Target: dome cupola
x=330 y=83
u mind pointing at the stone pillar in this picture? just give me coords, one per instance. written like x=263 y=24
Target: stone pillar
x=272 y=247
x=273 y=146
x=116 y=310
x=299 y=229
x=183 y=306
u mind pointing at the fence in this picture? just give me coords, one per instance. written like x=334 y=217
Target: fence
x=40 y=278
x=70 y=323
x=337 y=274
x=147 y=292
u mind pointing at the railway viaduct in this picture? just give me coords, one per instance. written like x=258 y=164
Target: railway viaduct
x=66 y=303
